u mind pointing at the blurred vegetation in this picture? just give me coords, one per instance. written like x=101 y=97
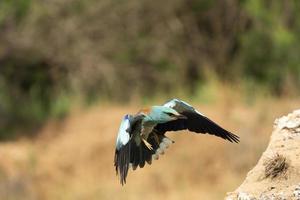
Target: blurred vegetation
x=51 y=51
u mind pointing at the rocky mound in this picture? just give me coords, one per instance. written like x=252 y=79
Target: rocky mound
x=277 y=173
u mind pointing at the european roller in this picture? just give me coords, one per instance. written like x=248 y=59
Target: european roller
x=141 y=137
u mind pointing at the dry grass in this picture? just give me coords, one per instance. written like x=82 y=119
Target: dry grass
x=276 y=166
x=73 y=159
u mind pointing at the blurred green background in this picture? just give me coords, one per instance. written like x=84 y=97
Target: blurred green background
x=56 y=52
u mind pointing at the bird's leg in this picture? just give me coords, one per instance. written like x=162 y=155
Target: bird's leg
x=148 y=145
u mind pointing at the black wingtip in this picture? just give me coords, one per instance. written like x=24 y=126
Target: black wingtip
x=121 y=162
x=232 y=137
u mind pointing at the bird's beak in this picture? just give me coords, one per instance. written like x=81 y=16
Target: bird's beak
x=181 y=117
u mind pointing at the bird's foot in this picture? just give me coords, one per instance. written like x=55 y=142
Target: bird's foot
x=148 y=145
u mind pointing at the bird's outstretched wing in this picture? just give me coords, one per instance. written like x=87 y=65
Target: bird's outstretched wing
x=195 y=122
x=131 y=151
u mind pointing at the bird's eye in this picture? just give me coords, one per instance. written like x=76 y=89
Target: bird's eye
x=171 y=114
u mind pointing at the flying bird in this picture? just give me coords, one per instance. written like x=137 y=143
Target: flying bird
x=141 y=137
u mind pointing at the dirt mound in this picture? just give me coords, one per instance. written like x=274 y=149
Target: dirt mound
x=277 y=173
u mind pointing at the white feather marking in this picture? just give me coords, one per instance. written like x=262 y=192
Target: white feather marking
x=170 y=104
x=162 y=145
x=123 y=135
x=199 y=112
x=159 y=151
x=167 y=141
x=155 y=156
x=166 y=145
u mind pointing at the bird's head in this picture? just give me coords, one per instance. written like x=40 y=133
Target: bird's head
x=162 y=114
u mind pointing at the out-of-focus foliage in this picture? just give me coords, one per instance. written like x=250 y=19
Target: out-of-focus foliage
x=52 y=49
x=270 y=47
